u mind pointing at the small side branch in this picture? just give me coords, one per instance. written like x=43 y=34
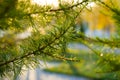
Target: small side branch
x=60 y=9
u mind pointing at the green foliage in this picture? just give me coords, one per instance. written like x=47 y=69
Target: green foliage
x=50 y=30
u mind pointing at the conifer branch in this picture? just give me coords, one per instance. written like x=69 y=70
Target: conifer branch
x=114 y=10
x=67 y=8
x=34 y=52
x=42 y=48
x=61 y=57
x=60 y=9
x=30 y=53
x=97 y=40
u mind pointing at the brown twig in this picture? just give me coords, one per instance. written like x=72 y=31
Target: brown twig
x=60 y=9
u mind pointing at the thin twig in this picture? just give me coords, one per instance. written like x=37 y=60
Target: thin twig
x=97 y=40
x=60 y=9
